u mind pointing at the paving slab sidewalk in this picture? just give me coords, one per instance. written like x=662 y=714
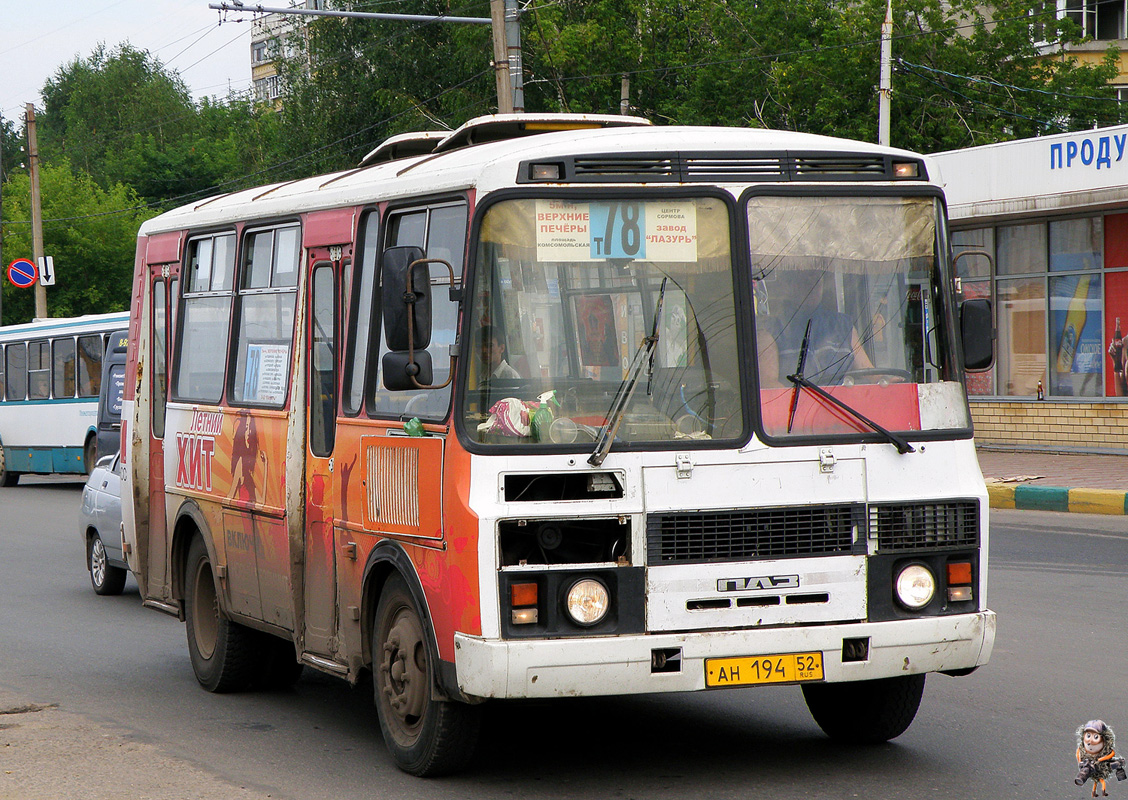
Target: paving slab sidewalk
x=1078 y=482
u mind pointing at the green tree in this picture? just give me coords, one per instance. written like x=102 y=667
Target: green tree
x=372 y=79
x=122 y=117
x=85 y=230
x=11 y=148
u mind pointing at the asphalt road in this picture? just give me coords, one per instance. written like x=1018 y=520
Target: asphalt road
x=122 y=715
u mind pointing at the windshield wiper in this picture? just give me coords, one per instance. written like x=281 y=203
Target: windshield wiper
x=897 y=441
x=798 y=374
x=644 y=355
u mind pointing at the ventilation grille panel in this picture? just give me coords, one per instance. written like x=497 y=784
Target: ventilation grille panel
x=752 y=534
x=906 y=527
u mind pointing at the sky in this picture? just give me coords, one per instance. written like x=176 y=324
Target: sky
x=37 y=37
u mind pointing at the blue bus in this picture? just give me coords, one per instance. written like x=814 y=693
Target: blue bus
x=50 y=377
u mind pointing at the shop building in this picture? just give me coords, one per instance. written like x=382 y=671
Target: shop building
x=1053 y=214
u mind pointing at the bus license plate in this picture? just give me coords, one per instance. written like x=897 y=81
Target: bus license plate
x=749 y=671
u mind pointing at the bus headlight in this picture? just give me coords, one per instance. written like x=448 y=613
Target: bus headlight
x=915 y=586
x=588 y=602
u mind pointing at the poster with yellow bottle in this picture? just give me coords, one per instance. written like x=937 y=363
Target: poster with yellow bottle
x=1075 y=330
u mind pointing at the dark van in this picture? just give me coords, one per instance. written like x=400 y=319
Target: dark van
x=110 y=395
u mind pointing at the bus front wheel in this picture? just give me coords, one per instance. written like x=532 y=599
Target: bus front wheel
x=869 y=712
x=425 y=736
x=222 y=651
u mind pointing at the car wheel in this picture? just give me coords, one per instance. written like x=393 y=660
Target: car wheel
x=222 y=651
x=868 y=712
x=105 y=579
x=89 y=454
x=425 y=736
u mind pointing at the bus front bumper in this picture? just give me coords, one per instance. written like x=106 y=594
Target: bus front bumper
x=625 y=664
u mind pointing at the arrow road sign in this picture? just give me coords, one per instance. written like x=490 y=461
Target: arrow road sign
x=22 y=273
x=47 y=270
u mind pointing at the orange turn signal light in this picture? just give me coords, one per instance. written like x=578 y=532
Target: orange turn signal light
x=523 y=594
x=959 y=573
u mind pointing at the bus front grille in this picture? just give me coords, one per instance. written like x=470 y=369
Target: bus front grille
x=907 y=527
x=751 y=534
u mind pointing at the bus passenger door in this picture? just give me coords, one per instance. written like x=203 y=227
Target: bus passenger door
x=164 y=305
x=321 y=409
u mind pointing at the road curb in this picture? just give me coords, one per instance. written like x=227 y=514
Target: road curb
x=1057 y=498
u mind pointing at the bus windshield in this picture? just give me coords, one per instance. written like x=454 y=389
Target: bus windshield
x=595 y=317
x=847 y=296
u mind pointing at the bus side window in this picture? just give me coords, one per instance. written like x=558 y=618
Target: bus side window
x=64 y=367
x=361 y=315
x=2 y=373
x=201 y=350
x=159 y=380
x=38 y=370
x=15 y=356
x=441 y=231
x=323 y=362
x=264 y=330
x=89 y=365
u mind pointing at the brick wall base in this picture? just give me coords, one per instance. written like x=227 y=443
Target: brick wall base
x=1048 y=425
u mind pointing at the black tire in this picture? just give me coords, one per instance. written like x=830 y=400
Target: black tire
x=89 y=454
x=279 y=667
x=105 y=579
x=866 y=712
x=223 y=652
x=426 y=737
x=7 y=478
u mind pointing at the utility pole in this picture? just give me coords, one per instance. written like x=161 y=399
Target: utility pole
x=885 y=88
x=36 y=211
x=625 y=96
x=513 y=52
x=505 y=104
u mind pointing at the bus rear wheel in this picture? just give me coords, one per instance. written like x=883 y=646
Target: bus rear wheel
x=868 y=712
x=7 y=477
x=222 y=651
x=425 y=736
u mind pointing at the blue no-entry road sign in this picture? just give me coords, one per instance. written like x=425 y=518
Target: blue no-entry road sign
x=22 y=273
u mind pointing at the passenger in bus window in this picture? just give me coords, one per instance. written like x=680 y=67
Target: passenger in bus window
x=493 y=355
x=244 y=452
x=833 y=347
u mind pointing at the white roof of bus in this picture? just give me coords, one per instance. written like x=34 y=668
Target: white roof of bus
x=484 y=167
x=116 y=320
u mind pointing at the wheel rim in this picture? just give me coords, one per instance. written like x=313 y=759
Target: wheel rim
x=98 y=561
x=404 y=676
x=205 y=610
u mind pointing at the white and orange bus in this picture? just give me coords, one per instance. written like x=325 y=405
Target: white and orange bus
x=556 y=406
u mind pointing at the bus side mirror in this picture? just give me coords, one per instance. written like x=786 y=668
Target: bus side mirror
x=402 y=373
x=406 y=299
x=978 y=334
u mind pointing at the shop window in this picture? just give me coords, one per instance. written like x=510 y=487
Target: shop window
x=1076 y=353
x=1076 y=244
x=1021 y=344
x=1021 y=249
x=973 y=266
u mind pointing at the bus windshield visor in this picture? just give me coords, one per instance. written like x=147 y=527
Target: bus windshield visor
x=603 y=320
x=848 y=303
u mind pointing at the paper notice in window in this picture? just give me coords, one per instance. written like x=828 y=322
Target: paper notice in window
x=650 y=231
x=265 y=379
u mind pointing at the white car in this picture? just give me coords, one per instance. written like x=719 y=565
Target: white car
x=99 y=523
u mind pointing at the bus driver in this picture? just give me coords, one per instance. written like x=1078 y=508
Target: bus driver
x=833 y=348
